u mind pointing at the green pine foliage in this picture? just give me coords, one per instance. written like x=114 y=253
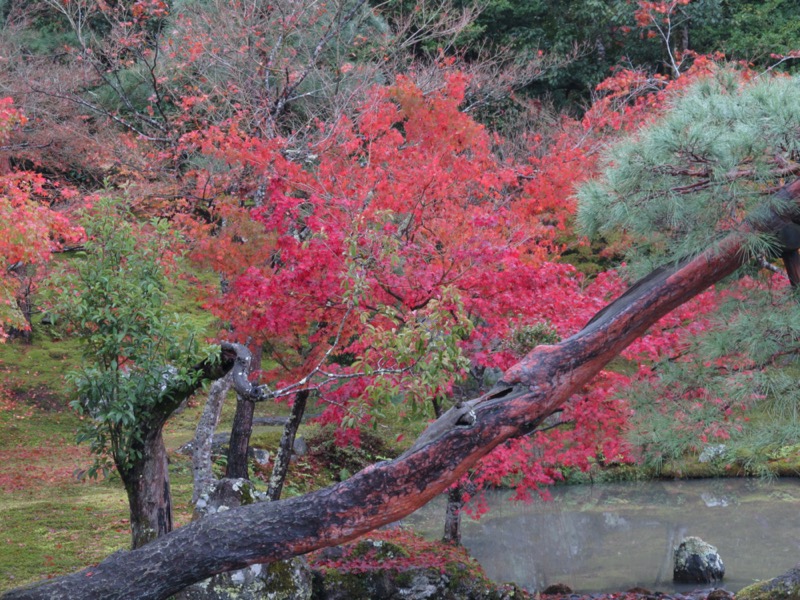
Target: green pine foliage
x=712 y=162
x=740 y=389
x=698 y=172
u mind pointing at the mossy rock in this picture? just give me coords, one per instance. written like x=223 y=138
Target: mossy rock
x=282 y=580
x=410 y=584
x=783 y=587
x=381 y=549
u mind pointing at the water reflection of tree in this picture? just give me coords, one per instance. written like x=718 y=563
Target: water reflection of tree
x=675 y=532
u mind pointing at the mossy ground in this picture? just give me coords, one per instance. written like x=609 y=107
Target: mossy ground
x=51 y=522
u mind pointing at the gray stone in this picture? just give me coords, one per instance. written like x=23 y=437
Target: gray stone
x=491 y=376
x=786 y=587
x=712 y=453
x=300 y=447
x=225 y=494
x=260 y=456
x=697 y=562
x=454 y=583
x=284 y=580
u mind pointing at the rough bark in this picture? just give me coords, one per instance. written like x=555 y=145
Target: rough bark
x=146 y=479
x=147 y=486
x=455 y=499
x=452 y=515
x=791 y=261
x=240 y=438
x=387 y=491
x=204 y=437
x=284 y=454
x=242 y=429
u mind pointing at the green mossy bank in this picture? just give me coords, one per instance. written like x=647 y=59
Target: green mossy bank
x=783 y=587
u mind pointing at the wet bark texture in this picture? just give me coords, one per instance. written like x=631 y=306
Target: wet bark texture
x=146 y=479
x=455 y=499
x=452 y=515
x=529 y=391
x=240 y=438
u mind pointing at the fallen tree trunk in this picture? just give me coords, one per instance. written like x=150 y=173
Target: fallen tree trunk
x=385 y=492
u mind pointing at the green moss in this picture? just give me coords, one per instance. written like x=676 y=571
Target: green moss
x=268 y=438
x=379 y=550
x=45 y=537
x=284 y=578
x=36 y=371
x=764 y=591
x=355 y=587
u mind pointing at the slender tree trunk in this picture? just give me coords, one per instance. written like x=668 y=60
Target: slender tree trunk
x=241 y=430
x=147 y=485
x=455 y=498
x=452 y=515
x=283 y=456
x=791 y=261
x=240 y=438
x=204 y=437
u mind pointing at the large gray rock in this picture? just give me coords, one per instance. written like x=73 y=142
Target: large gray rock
x=697 y=562
x=712 y=453
x=300 y=447
x=284 y=580
x=413 y=584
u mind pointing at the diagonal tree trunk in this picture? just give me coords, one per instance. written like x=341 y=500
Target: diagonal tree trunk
x=385 y=492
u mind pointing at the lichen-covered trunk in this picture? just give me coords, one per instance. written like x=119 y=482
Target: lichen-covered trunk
x=204 y=437
x=242 y=429
x=147 y=485
x=385 y=492
x=284 y=454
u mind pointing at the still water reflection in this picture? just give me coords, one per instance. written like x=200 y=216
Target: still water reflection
x=615 y=536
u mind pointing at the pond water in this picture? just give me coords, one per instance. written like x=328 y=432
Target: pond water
x=611 y=537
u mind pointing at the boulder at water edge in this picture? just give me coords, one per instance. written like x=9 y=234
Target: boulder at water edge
x=697 y=562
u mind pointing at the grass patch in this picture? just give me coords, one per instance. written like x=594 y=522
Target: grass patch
x=52 y=523
x=56 y=530
x=34 y=373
